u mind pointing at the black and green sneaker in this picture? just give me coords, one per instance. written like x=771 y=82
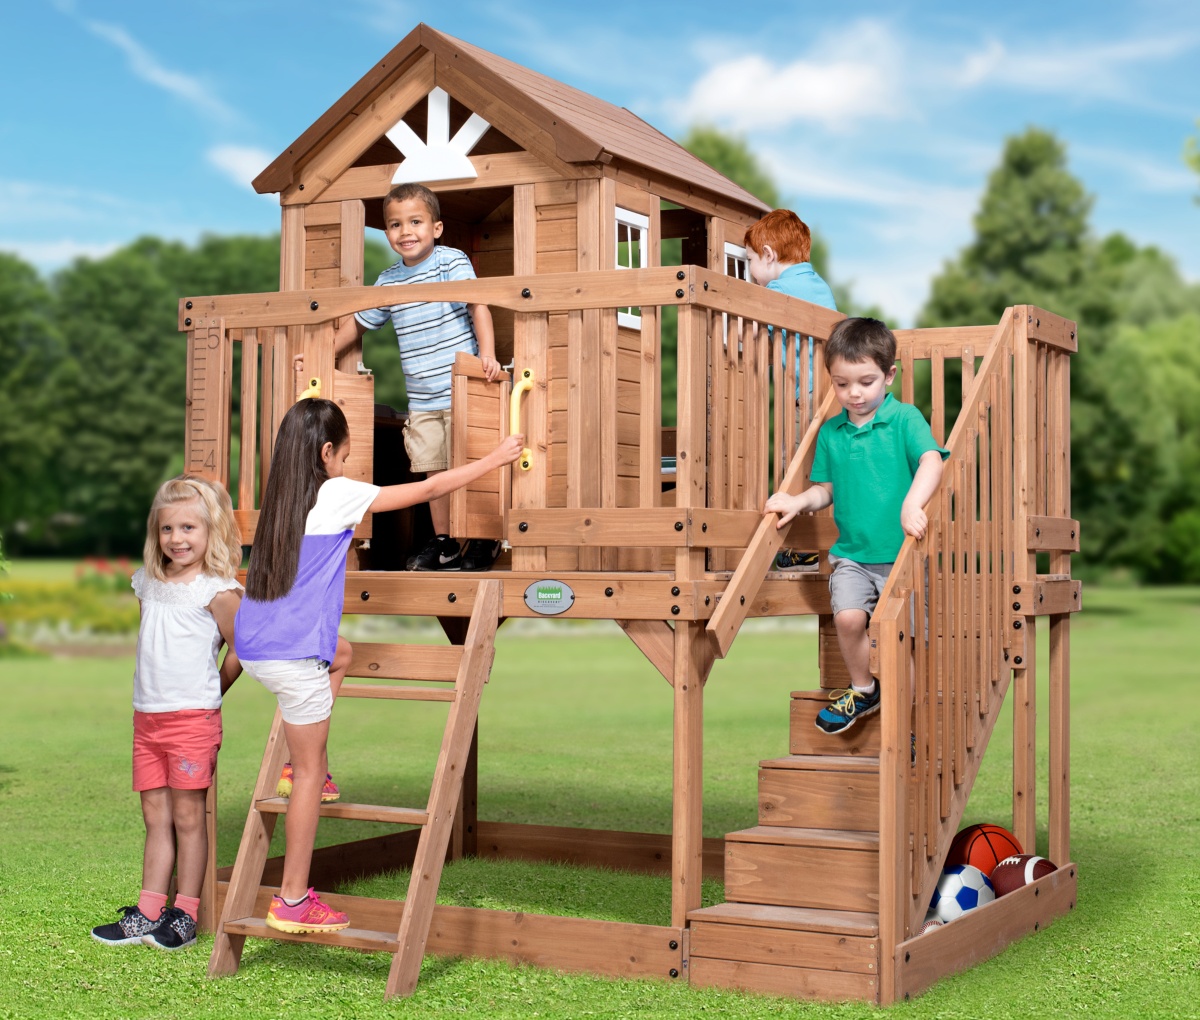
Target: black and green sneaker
x=846 y=708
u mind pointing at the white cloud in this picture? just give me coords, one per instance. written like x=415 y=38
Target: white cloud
x=51 y=255
x=144 y=65
x=1143 y=173
x=845 y=78
x=240 y=163
x=1076 y=70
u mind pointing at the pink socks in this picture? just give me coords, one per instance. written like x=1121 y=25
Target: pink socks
x=151 y=903
x=190 y=905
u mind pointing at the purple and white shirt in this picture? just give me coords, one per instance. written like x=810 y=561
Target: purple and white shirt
x=304 y=623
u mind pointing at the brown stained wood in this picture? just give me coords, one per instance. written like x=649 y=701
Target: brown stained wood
x=656 y=640
x=783 y=947
x=208 y=396
x=370 y=124
x=248 y=466
x=479 y=509
x=389 y=693
x=478 y=651
x=848 y=923
x=358 y=812
x=646 y=852
x=847 y=800
x=1051 y=534
x=497 y=170
x=405 y=661
x=794 y=982
x=726 y=621
x=692 y=662
x=981 y=933
x=1050 y=329
x=797 y=876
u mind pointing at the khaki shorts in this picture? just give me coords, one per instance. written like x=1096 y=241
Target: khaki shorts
x=427 y=440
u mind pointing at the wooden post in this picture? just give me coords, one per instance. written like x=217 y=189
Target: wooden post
x=893 y=773
x=1024 y=569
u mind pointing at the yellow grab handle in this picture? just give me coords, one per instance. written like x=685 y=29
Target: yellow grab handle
x=314 y=389
x=514 y=415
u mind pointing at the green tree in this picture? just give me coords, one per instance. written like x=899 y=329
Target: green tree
x=1033 y=245
x=32 y=419
x=1191 y=153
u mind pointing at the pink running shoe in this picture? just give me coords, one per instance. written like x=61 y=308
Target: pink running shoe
x=329 y=792
x=309 y=915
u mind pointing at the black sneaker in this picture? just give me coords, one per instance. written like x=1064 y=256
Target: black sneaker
x=126 y=932
x=442 y=553
x=175 y=930
x=480 y=554
x=793 y=559
x=846 y=708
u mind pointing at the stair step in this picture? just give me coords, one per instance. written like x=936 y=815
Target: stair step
x=405 y=662
x=349 y=938
x=833 y=922
x=396 y=693
x=785 y=835
x=861 y=739
x=359 y=812
x=823 y=763
x=820 y=792
x=789 y=866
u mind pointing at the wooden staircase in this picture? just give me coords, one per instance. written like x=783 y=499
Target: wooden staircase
x=801 y=915
x=467 y=667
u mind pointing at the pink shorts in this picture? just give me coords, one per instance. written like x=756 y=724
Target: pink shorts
x=175 y=749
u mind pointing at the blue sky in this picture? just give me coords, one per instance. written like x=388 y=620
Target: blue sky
x=880 y=121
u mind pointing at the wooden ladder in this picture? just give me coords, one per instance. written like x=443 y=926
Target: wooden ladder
x=468 y=667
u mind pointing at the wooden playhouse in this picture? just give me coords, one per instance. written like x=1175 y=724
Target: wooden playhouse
x=566 y=205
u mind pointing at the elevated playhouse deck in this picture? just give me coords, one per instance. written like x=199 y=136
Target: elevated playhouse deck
x=680 y=560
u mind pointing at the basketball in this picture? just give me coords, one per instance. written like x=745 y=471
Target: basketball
x=1014 y=872
x=983 y=847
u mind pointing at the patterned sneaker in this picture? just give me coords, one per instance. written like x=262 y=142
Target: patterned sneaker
x=846 y=708
x=442 y=553
x=128 y=931
x=790 y=559
x=175 y=930
x=329 y=792
x=310 y=914
x=480 y=554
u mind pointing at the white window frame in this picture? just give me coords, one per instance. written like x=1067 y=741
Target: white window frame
x=737 y=260
x=637 y=228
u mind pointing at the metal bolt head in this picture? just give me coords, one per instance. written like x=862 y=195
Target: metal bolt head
x=674 y=610
x=1017 y=659
x=679 y=525
x=608 y=593
x=1016 y=624
x=679 y=276
x=452 y=597
x=365 y=595
x=187 y=322
x=188 y=305
x=523 y=526
x=314 y=305
x=679 y=292
x=526 y=292
x=675 y=591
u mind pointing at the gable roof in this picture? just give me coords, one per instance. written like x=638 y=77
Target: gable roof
x=582 y=128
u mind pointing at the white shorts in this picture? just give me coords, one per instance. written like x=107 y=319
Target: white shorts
x=301 y=686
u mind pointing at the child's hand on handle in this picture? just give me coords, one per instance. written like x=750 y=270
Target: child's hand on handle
x=784 y=505
x=913 y=520
x=509 y=449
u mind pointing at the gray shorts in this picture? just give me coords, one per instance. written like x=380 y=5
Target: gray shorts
x=855 y=585
x=858 y=586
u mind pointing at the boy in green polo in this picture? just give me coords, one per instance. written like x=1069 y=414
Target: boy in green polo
x=878 y=464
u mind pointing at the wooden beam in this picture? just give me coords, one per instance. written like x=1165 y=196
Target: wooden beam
x=496 y=170
x=656 y=640
x=1051 y=534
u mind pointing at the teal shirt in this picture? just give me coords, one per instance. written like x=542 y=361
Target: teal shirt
x=871 y=469
x=800 y=280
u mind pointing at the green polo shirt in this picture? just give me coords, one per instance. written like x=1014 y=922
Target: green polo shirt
x=871 y=468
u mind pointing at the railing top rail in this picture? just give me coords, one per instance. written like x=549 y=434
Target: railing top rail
x=547 y=292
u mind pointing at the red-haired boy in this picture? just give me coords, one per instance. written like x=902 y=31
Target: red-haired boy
x=778 y=248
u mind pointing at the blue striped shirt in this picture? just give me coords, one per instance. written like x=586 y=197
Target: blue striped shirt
x=430 y=333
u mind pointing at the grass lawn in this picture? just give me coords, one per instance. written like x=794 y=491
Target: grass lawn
x=575 y=730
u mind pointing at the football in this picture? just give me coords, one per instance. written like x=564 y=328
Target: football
x=1021 y=869
x=983 y=847
x=962 y=887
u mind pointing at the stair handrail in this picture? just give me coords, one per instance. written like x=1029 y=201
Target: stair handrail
x=905 y=891
x=733 y=606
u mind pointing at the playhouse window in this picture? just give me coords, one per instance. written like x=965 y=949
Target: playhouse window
x=736 y=263
x=633 y=247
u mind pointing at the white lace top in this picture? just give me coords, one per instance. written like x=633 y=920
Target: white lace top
x=177 y=645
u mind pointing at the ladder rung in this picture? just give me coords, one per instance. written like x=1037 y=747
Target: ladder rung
x=351 y=938
x=405 y=662
x=358 y=812
x=396 y=693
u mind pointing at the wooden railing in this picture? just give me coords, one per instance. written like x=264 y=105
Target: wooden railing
x=956 y=622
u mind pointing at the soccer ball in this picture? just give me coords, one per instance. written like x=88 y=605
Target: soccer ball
x=961 y=888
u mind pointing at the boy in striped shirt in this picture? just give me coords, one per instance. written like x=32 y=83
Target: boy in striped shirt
x=430 y=334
